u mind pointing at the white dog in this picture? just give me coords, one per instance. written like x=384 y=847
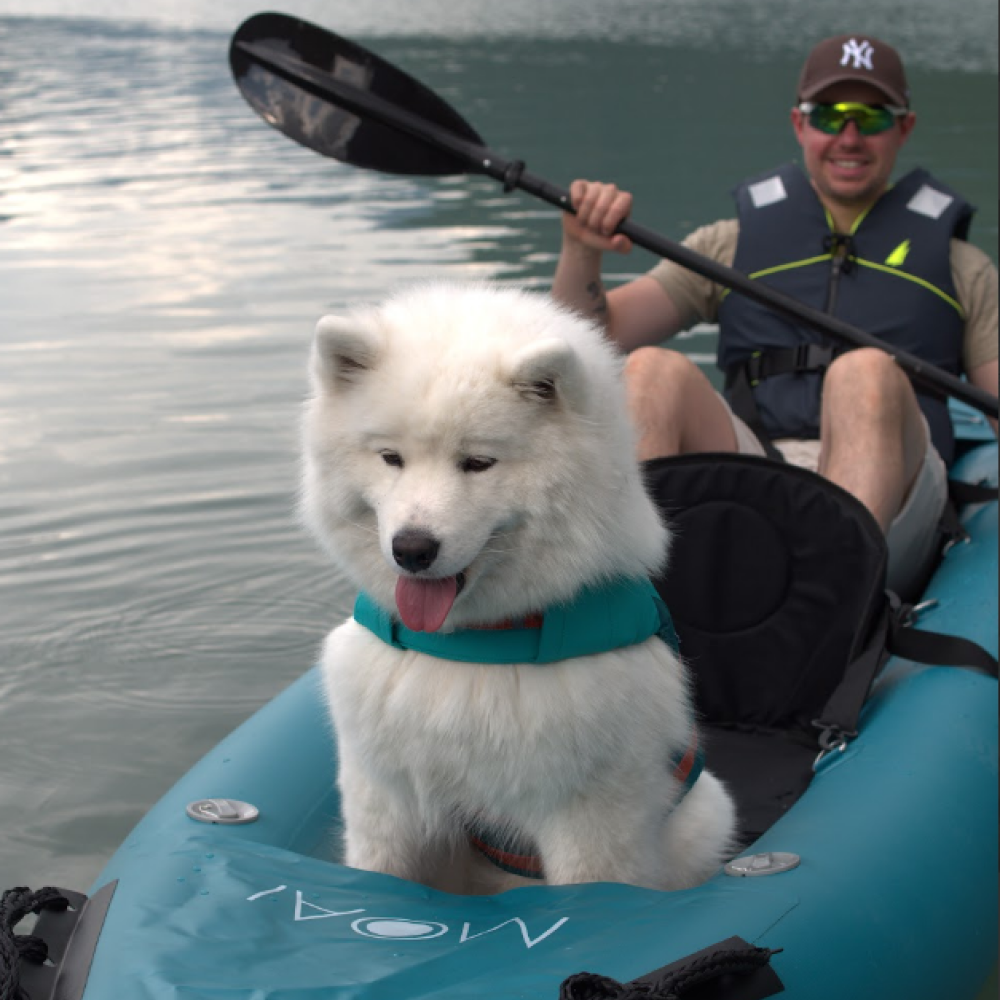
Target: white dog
x=470 y=466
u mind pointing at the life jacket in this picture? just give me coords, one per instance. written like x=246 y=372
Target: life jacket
x=890 y=276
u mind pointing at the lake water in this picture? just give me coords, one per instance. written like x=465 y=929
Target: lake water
x=164 y=256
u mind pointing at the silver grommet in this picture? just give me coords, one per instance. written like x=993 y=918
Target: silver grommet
x=225 y=811
x=768 y=863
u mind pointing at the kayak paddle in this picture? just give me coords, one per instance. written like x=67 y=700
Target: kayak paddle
x=341 y=100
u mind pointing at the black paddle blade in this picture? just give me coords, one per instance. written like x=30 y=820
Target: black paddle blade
x=307 y=83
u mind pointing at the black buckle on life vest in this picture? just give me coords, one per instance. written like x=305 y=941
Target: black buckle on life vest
x=752 y=367
x=814 y=357
x=785 y=361
x=841 y=247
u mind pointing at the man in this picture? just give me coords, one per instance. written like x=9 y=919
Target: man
x=889 y=258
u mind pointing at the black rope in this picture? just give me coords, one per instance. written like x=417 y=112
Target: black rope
x=590 y=986
x=740 y=962
x=15 y=905
x=674 y=984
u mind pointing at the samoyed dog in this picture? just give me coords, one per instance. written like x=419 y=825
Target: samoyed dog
x=469 y=464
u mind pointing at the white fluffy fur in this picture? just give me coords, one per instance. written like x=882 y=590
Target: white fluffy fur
x=573 y=754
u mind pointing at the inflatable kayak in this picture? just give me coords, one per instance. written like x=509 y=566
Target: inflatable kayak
x=880 y=882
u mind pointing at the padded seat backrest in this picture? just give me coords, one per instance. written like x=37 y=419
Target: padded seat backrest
x=774 y=579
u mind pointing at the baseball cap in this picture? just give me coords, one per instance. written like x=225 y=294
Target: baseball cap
x=859 y=58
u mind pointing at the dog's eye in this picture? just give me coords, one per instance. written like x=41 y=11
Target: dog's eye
x=476 y=463
x=392 y=458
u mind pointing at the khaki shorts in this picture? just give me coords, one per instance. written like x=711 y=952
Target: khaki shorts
x=913 y=536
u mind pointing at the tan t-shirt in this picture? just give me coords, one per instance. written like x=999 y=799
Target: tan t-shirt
x=974 y=274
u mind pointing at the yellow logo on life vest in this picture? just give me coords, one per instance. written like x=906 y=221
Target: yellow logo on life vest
x=896 y=258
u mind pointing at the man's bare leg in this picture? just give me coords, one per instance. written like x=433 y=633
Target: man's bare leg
x=873 y=438
x=674 y=406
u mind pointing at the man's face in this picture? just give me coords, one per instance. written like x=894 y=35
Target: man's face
x=850 y=170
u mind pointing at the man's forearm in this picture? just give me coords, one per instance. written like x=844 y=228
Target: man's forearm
x=578 y=283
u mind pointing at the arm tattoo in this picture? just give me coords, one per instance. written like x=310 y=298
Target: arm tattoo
x=598 y=300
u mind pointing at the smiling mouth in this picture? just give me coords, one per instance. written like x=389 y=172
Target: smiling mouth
x=424 y=604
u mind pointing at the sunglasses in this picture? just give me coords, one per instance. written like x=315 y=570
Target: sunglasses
x=871 y=119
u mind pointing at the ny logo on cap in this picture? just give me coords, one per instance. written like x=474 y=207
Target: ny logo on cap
x=860 y=52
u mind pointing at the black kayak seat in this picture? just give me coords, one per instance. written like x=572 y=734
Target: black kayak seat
x=775 y=580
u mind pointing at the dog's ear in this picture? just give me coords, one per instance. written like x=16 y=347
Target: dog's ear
x=344 y=349
x=548 y=371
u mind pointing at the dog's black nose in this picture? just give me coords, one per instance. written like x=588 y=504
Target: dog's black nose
x=415 y=550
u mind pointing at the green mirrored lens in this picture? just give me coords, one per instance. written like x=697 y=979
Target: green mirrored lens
x=831 y=118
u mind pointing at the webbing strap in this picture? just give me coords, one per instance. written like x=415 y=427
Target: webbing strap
x=962 y=492
x=892 y=635
x=745 y=407
x=939 y=649
x=785 y=361
x=743 y=377
x=839 y=718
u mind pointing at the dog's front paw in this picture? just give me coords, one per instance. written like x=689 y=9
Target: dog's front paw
x=385 y=858
x=383 y=831
x=381 y=839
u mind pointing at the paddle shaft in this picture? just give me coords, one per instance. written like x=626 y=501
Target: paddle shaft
x=511 y=174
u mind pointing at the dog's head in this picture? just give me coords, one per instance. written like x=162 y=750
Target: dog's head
x=468 y=457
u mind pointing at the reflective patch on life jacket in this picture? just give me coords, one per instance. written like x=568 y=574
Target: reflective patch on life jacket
x=767 y=192
x=930 y=202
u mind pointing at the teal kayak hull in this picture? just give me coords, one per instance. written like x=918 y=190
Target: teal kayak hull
x=895 y=897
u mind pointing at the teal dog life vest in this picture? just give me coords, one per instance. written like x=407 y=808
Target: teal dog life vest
x=599 y=619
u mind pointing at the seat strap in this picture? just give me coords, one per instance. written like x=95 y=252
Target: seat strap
x=962 y=492
x=745 y=407
x=838 y=722
x=940 y=649
x=805 y=357
x=892 y=634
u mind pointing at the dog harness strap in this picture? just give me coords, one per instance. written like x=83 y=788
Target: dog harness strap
x=688 y=768
x=506 y=852
x=517 y=855
x=600 y=618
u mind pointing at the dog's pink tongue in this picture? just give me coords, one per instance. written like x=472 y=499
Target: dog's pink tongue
x=424 y=604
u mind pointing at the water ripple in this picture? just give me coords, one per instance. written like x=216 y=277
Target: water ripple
x=164 y=259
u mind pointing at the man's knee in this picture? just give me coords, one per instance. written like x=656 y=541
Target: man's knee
x=865 y=366
x=867 y=381
x=870 y=412
x=674 y=405
x=659 y=367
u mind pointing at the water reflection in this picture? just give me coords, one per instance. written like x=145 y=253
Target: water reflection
x=163 y=258
x=964 y=42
